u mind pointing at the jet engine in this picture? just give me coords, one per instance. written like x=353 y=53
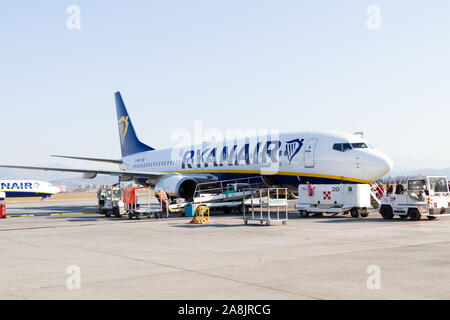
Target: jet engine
x=178 y=185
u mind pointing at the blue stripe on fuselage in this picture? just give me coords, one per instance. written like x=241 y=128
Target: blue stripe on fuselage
x=14 y=194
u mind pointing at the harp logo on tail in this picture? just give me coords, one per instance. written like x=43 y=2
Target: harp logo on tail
x=123 y=127
x=293 y=147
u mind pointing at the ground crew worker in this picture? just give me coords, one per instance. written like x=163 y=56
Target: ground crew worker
x=399 y=188
x=164 y=200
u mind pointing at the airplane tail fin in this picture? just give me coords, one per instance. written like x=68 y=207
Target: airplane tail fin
x=129 y=142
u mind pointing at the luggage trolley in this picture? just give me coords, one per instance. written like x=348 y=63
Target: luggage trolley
x=268 y=199
x=149 y=208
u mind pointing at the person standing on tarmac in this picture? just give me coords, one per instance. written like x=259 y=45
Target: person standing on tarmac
x=164 y=200
x=399 y=188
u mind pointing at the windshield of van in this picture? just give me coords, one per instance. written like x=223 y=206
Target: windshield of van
x=415 y=185
x=438 y=184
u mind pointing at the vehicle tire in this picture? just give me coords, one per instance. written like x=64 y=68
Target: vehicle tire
x=354 y=213
x=414 y=214
x=365 y=214
x=108 y=214
x=117 y=212
x=203 y=221
x=431 y=217
x=130 y=216
x=304 y=213
x=386 y=212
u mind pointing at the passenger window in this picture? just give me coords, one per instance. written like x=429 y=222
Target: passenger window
x=337 y=147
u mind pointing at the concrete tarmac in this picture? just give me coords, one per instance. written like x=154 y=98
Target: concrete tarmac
x=309 y=258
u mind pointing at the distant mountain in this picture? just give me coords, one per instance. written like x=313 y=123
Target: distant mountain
x=6 y=174
x=77 y=181
x=55 y=177
x=425 y=172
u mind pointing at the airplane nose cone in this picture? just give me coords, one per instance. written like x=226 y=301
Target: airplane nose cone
x=55 y=190
x=385 y=165
x=376 y=165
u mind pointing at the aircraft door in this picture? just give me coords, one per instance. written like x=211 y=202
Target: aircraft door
x=309 y=152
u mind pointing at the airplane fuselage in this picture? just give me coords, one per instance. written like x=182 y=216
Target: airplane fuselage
x=285 y=160
x=27 y=188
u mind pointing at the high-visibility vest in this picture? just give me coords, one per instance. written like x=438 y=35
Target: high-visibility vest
x=163 y=195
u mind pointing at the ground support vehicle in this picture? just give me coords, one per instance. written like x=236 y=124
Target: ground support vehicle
x=353 y=199
x=424 y=196
x=201 y=214
x=267 y=205
x=110 y=201
x=141 y=201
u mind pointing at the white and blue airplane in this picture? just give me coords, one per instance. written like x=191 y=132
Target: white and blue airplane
x=285 y=160
x=28 y=188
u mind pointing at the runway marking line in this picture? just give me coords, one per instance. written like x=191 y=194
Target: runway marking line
x=48 y=214
x=344 y=229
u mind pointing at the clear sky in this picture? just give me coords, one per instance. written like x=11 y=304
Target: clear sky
x=287 y=65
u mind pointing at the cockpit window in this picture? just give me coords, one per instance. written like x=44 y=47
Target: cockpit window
x=342 y=147
x=359 y=145
x=337 y=147
x=346 y=146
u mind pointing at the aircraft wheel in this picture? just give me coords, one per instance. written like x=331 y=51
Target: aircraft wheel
x=386 y=212
x=354 y=213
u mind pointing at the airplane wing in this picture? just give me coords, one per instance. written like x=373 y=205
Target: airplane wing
x=118 y=161
x=90 y=174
